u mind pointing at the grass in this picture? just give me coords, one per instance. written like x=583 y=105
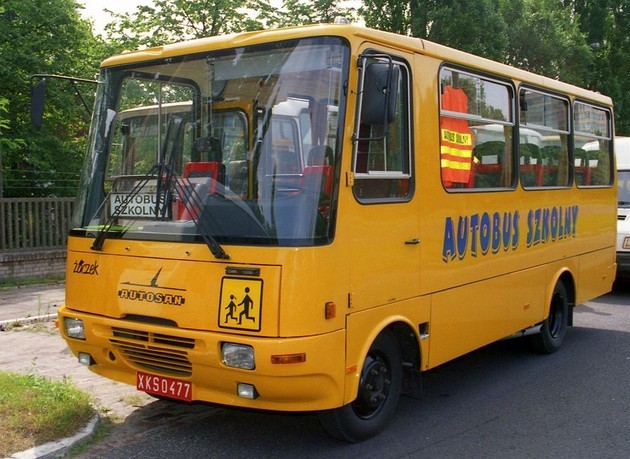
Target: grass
x=35 y=410
x=50 y=279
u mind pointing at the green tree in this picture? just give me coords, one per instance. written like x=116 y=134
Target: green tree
x=43 y=36
x=167 y=21
x=390 y=15
x=545 y=37
x=7 y=144
x=474 y=26
x=542 y=36
x=304 y=12
x=606 y=24
x=538 y=35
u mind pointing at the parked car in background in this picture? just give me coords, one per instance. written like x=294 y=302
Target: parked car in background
x=622 y=150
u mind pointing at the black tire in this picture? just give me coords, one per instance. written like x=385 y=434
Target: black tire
x=377 y=398
x=554 y=328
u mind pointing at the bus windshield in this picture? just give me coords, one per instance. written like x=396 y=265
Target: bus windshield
x=236 y=146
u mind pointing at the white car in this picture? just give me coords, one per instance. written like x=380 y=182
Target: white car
x=622 y=150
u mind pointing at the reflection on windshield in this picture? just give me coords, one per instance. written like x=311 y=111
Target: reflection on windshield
x=236 y=147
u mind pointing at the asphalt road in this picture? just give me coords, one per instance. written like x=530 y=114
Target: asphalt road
x=501 y=401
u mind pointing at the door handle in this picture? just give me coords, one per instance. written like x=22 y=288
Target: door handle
x=412 y=242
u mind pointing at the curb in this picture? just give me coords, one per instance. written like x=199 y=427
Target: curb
x=25 y=320
x=59 y=447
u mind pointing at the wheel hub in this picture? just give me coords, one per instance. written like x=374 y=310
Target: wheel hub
x=374 y=386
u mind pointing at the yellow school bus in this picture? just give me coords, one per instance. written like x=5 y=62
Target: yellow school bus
x=306 y=219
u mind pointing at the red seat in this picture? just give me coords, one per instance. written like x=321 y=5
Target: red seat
x=323 y=174
x=208 y=169
x=200 y=179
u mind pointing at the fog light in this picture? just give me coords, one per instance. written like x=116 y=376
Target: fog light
x=246 y=391
x=86 y=359
x=74 y=328
x=238 y=356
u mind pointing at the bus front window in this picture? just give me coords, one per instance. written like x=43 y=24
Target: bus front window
x=238 y=145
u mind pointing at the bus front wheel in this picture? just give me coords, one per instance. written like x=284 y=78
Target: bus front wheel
x=377 y=398
x=555 y=325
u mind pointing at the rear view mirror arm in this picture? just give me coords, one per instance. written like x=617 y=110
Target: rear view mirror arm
x=37 y=94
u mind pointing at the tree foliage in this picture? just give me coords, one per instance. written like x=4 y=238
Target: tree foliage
x=43 y=36
x=606 y=24
x=585 y=42
x=545 y=37
x=301 y=12
x=166 y=21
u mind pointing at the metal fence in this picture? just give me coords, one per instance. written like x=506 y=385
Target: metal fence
x=34 y=223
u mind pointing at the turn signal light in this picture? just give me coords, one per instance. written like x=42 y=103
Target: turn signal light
x=285 y=359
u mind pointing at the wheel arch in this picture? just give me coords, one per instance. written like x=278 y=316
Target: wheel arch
x=408 y=338
x=566 y=277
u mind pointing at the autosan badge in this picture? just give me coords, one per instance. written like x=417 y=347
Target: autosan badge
x=150 y=293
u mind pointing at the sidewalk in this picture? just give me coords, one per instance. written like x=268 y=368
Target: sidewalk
x=30 y=302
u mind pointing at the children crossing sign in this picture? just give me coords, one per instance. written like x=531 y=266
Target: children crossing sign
x=241 y=303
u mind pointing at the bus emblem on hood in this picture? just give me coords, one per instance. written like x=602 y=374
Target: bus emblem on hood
x=147 y=293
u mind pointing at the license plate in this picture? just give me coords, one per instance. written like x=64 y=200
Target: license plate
x=163 y=386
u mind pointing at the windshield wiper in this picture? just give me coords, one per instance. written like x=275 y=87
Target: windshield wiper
x=166 y=180
x=165 y=177
x=103 y=232
x=191 y=197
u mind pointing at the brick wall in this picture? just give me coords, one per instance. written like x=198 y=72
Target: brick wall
x=25 y=264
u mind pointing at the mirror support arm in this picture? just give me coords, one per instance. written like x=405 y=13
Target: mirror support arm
x=37 y=94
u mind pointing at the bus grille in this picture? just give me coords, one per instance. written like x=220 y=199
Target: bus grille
x=154 y=351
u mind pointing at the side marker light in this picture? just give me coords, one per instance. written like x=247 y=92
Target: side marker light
x=330 y=310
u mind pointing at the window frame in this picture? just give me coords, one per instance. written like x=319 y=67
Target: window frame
x=405 y=97
x=541 y=127
x=512 y=107
x=594 y=137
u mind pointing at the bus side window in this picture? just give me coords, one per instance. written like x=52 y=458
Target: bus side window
x=593 y=152
x=476 y=131
x=543 y=139
x=382 y=160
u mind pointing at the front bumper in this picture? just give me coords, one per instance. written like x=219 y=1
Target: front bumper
x=121 y=348
x=623 y=264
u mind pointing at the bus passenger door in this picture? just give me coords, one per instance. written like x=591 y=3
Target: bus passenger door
x=385 y=220
x=385 y=254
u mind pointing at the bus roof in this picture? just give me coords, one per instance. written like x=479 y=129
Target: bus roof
x=351 y=33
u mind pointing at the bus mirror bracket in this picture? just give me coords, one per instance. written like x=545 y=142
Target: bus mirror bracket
x=38 y=95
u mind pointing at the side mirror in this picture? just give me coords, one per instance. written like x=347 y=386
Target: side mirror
x=38 y=90
x=380 y=89
x=37 y=103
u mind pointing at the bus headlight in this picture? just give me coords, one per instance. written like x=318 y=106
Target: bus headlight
x=238 y=356
x=74 y=328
